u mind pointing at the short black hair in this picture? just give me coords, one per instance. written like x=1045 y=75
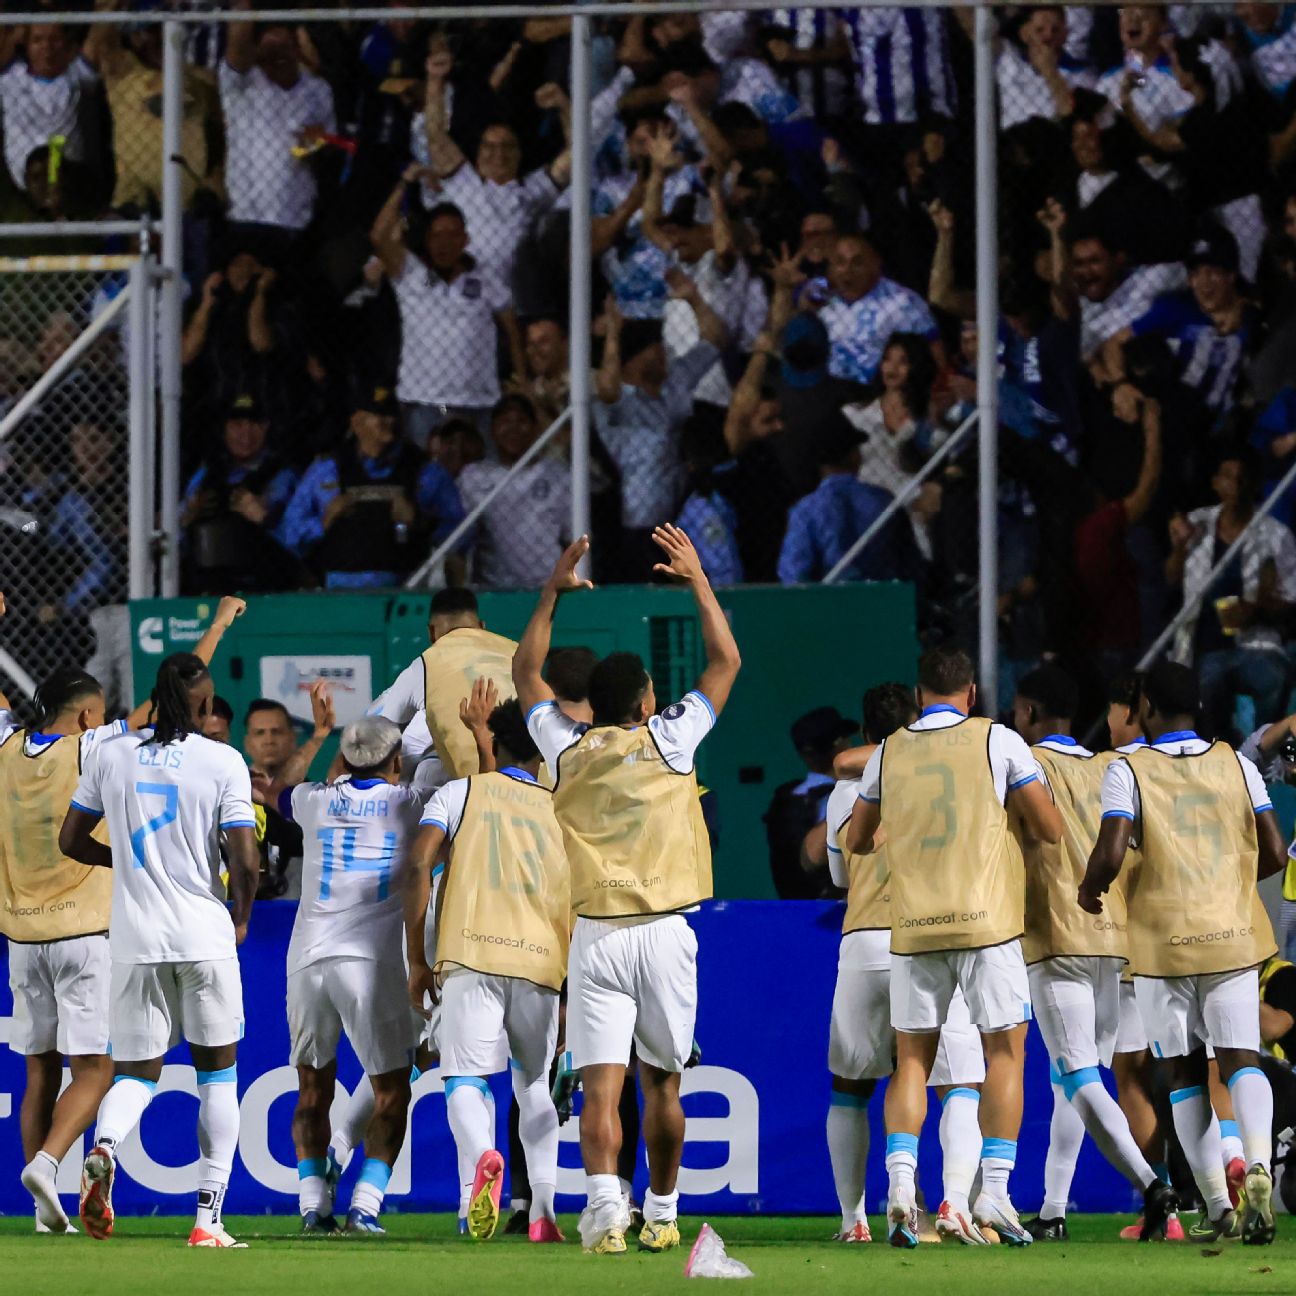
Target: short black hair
x=265 y=704
x=1125 y=690
x=945 y=670
x=1053 y=689
x=616 y=684
x=1171 y=690
x=888 y=707
x=568 y=672
x=440 y=209
x=57 y=692
x=509 y=728
x=454 y=600
x=222 y=709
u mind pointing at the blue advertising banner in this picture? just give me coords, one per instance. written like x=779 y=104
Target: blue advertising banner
x=756 y=1105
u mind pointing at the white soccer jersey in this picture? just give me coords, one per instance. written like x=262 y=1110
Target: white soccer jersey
x=358 y=834
x=166 y=806
x=36 y=742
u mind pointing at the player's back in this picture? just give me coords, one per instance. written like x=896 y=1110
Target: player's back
x=357 y=834
x=166 y=804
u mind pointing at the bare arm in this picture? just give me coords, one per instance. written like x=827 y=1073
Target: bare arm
x=849 y=764
x=1062 y=295
x=244 y=874
x=605 y=230
x=1105 y=862
x=386 y=235
x=814 y=849
x=1165 y=139
x=102 y=48
x=474 y=714
x=240 y=44
x=418 y=890
x=723 y=661
x=865 y=820
x=195 y=333
x=722 y=235
x=1140 y=499
x=1034 y=805
x=298 y=765
x=260 y=335
x=607 y=381
x=507 y=322
x=228 y=610
x=711 y=328
x=1274 y=1023
x=533 y=648
x=662 y=152
x=444 y=155
x=76 y=842
x=1273 y=850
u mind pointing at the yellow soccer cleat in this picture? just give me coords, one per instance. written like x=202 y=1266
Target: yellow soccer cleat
x=484 y=1206
x=661 y=1236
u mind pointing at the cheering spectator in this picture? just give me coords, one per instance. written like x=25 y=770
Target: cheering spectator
x=451 y=315
x=896 y=423
x=276 y=114
x=548 y=380
x=526 y=526
x=499 y=205
x=826 y=523
x=355 y=514
x=1235 y=640
x=642 y=401
x=707 y=516
x=129 y=59
x=864 y=309
x=51 y=94
x=1038 y=78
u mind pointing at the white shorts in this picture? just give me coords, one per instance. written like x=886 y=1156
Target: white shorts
x=486 y=1020
x=154 y=1005
x=1076 y=1000
x=1181 y=1014
x=632 y=983
x=60 y=996
x=993 y=981
x=367 y=999
x=861 y=1041
x=1131 y=1034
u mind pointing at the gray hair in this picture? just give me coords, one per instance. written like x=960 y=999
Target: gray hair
x=370 y=742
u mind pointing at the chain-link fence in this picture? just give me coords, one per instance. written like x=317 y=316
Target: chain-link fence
x=63 y=486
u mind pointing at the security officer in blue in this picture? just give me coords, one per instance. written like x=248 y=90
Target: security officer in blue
x=355 y=517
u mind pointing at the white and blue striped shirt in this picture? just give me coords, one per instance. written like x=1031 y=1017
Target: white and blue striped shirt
x=902 y=68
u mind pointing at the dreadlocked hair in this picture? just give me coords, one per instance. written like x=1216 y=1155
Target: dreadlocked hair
x=60 y=690
x=172 y=713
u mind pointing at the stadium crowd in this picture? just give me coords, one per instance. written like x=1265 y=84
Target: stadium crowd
x=376 y=234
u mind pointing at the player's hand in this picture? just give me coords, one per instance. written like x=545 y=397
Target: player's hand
x=684 y=561
x=240 y=933
x=475 y=710
x=3 y=609
x=262 y=788
x=1089 y=900
x=661 y=150
x=423 y=990
x=228 y=610
x=565 y=578
x=322 y=712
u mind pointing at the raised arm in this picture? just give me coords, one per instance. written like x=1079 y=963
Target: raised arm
x=386 y=234
x=444 y=155
x=240 y=43
x=528 y=661
x=298 y=765
x=228 y=610
x=1062 y=294
x=1165 y=139
x=607 y=380
x=723 y=661
x=605 y=230
x=474 y=714
x=1139 y=500
x=1105 y=862
x=711 y=328
x=661 y=152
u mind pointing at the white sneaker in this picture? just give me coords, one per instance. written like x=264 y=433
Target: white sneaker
x=999 y=1215
x=50 y=1215
x=41 y=1228
x=215 y=1236
x=902 y=1218
x=958 y=1226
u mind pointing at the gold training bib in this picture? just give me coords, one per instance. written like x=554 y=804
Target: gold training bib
x=636 y=840
x=44 y=896
x=1193 y=904
x=868 y=897
x=507 y=895
x=1055 y=923
x=956 y=872
x=451 y=666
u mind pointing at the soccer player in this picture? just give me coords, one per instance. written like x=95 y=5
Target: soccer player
x=627 y=801
x=428 y=692
x=1074 y=963
x=1197 y=930
x=54 y=912
x=943 y=790
x=345 y=969
x=502 y=922
x=168 y=797
x=861 y=1042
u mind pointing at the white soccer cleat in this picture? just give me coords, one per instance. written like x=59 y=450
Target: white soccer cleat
x=858 y=1232
x=956 y=1226
x=902 y=1219
x=216 y=1236
x=50 y=1215
x=989 y=1213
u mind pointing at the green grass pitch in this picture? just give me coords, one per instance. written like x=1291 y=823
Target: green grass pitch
x=422 y=1253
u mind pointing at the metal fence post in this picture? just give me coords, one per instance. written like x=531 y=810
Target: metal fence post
x=578 y=330
x=140 y=462
x=169 y=316
x=987 y=274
